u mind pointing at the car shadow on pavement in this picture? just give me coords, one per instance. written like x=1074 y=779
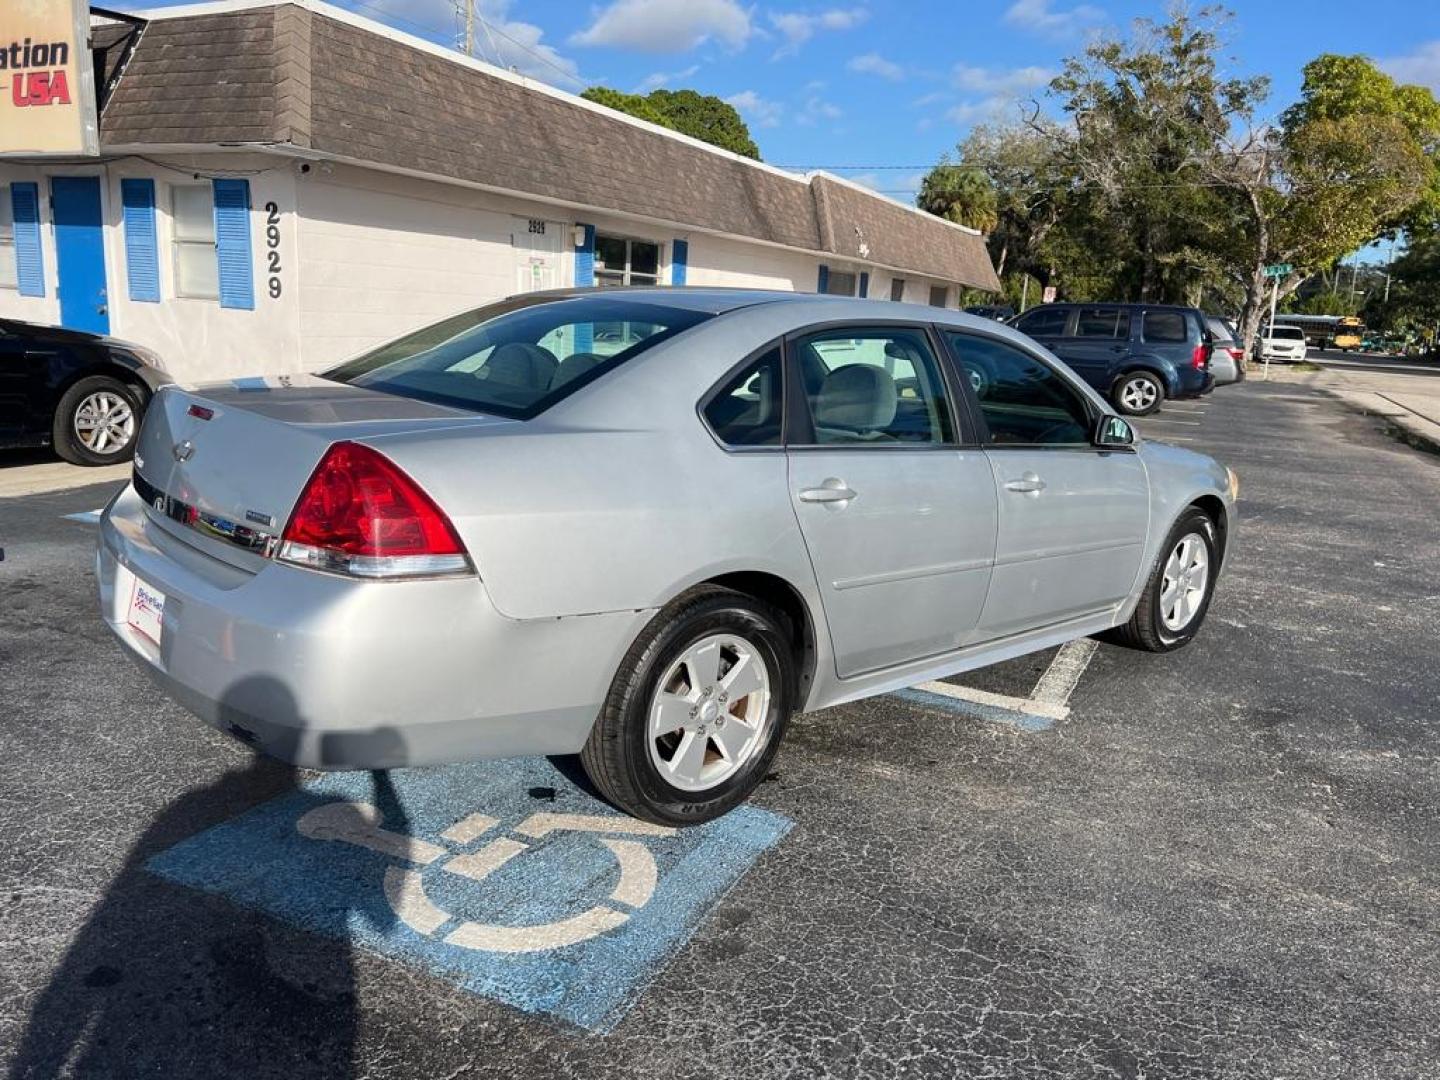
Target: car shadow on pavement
x=162 y=980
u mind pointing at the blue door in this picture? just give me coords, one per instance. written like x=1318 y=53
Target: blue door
x=80 y=253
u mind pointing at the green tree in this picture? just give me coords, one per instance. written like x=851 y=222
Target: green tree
x=701 y=116
x=961 y=194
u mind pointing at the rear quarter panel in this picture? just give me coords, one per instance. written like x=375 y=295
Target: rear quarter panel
x=619 y=498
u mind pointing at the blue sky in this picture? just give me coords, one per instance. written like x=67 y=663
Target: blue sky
x=893 y=83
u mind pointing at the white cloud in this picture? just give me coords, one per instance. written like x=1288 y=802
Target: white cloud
x=510 y=43
x=932 y=98
x=756 y=109
x=667 y=26
x=1039 y=17
x=1421 y=67
x=875 y=64
x=799 y=28
x=655 y=80
x=994 y=109
x=982 y=80
x=817 y=109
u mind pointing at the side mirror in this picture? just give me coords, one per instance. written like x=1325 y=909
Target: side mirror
x=1113 y=431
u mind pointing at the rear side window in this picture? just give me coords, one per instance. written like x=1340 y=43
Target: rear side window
x=518 y=357
x=1043 y=322
x=1102 y=323
x=874 y=387
x=747 y=410
x=1166 y=327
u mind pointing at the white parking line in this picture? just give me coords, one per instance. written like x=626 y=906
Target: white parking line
x=1049 y=699
x=89 y=517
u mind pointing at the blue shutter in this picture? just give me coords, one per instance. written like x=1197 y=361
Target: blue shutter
x=232 y=244
x=142 y=264
x=679 y=256
x=584 y=278
x=864 y=284
x=824 y=278
x=29 y=258
x=585 y=259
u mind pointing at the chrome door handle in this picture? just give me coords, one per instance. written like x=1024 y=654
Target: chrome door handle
x=1028 y=484
x=830 y=491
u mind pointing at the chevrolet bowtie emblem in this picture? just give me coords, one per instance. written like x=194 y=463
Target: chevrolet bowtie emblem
x=183 y=450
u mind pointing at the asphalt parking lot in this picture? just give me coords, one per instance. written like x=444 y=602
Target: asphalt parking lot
x=1218 y=862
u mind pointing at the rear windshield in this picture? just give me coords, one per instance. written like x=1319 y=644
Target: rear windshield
x=1220 y=329
x=518 y=357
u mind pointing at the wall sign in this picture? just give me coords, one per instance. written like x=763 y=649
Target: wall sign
x=47 y=102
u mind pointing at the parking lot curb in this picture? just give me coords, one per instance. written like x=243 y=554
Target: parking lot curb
x=1408 y=424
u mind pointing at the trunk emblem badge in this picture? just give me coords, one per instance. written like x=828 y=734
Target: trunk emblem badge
x=183 y=450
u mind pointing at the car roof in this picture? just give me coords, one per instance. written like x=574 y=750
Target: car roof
x=1124 y=304
x=713 y=299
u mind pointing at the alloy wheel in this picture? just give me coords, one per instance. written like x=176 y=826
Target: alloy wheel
x=710 y=713
x=1186 y=577
x=1137 y=395
x=104 y=422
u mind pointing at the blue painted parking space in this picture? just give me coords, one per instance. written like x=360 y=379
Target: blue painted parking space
x=501 y=876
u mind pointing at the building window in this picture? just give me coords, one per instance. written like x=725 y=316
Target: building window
x=897 y=289
x=626 y=262
x=192 y=227
x=9 y=279
x=841 y=283
x=939 y=295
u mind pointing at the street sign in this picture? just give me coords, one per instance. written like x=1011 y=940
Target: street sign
x=1278 y=269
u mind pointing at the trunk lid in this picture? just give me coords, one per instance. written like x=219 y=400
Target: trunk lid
x=221 y=466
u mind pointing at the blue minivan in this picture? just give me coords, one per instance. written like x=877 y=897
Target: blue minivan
x=1137 y=355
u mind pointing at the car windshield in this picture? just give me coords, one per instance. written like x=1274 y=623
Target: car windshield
x=1292 y=333
x=1220 y=329
x=518 y=357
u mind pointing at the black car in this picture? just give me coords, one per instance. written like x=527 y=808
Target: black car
x=82 y=393
x=1137 y=355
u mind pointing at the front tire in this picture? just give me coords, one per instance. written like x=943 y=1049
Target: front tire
x=96 y=422
x=1138 y=393
x=696 y=712
x=1177 y=596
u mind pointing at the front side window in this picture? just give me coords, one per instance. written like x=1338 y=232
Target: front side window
x=1166 y=327
x=1102 y=323
x=939 y=295
x=1024 y=401
x=8 y=274
x=515 y=358
x=619 y=261
x=1043 y=322
x=197 y=269
x=874 y=387
x=748 y=409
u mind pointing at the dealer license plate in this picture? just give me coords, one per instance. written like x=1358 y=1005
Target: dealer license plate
x=147 y=610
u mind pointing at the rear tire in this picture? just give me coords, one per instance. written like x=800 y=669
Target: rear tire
x=97 y=421
x=1158 y=624
x=720 y=747
x=1138 y=393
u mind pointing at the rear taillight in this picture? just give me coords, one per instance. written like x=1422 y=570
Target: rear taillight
x=359 y=514
x=1200 y=358
x=1236 y=354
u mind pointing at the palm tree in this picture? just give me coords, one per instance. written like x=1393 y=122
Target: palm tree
x=959 y=193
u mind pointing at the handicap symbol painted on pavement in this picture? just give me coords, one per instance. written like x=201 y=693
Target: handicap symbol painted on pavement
x=564 y=907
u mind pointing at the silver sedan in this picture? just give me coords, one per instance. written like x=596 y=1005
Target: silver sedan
x=646 y=526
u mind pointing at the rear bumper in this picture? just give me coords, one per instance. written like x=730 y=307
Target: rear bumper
x=1194 y=384
x=329 y=673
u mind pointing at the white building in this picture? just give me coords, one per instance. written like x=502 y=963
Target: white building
x=282 y=184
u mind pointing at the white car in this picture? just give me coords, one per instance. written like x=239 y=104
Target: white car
x=1285 y=344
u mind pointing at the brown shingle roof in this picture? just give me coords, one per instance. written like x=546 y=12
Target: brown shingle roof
x=286 y=74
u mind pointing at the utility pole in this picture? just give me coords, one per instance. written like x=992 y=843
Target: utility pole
x=467 y=16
